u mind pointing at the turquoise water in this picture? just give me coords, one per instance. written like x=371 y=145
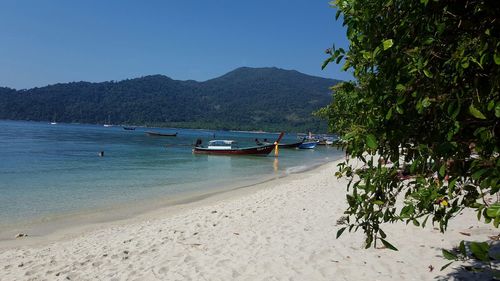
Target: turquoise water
x=48 y=170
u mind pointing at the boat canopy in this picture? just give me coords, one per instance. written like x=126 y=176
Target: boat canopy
x=221 y=144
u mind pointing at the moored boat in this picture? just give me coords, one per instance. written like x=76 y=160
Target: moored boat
x=308 y=145
x=290 y=145
x=129 y=128
x=229 y=147
x=157 y=134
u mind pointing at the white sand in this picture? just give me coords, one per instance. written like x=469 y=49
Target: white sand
x=281 y=230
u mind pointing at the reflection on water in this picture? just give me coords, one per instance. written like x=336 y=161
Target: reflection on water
x=276 y=164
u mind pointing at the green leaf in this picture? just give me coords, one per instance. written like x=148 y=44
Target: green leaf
x=493 y=211
x=425 y=221
x=449 y=255
x=387 y=44
x=480 y=250
x=378 y=202
x=326 y=62
x=371 y=141
x=426 y=102
x=428 y=73
x=340 y=231
x=461 y=248
x=389 y=114
x=445 y=266
x=497 y=110
x=388 y=245
x=476 y=113
x=442 y=170
x=496 y=57
x=491 y=104
x=382 y=233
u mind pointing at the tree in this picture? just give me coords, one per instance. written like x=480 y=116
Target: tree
x=426 y=100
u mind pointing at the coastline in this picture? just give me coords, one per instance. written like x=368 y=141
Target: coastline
x=66 y=226
x=278 y=230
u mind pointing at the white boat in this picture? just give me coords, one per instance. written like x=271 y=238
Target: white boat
x=108 y=122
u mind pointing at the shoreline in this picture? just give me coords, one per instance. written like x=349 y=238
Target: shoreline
x=282 y=229
x=64 y=226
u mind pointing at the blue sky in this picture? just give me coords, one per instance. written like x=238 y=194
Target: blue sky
x=46 y=42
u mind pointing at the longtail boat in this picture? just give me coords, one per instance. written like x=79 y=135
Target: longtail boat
x=291 y=145
x=229 y=147
x=157 y=134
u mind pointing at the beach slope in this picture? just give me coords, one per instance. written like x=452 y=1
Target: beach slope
x=282 y=230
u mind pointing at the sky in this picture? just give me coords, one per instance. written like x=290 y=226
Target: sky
x=56 y=41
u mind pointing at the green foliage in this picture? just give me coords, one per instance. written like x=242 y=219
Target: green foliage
x=479 y=254
x=246 y=99
x=427 y=101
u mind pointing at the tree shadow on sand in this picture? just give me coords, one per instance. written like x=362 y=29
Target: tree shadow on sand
x=473 y=266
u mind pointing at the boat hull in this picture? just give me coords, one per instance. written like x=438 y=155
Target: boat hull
x=257 y=150
x=155 y=134
x=290 y=145
x=308 y=145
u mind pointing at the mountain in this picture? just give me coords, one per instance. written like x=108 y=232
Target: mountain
x=243 y=99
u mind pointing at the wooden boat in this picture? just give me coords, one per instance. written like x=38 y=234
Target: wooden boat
x=129 y=128
x=157 y=134
x=308 y=145
x=290 y=145
x=229 y=147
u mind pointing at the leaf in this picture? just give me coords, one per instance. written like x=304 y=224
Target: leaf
x=387 y=44
x=493 y=211
x=326 y=62
x=445 y=266
x=388 y=245
x=340 y=231
x=442 y=170
x=449 y=255
x=382 y=233
x=496 y=57
x=461 y=248
x=426 y=102
x=476 y=113
x=480 y=250
x=491 y=104
x=371 y=141
x=425 y=221
x=428 y=73
x=389 y=114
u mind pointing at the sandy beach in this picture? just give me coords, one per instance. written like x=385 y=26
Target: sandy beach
x=279 y=230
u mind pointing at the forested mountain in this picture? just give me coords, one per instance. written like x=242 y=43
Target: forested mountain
x=244 y=99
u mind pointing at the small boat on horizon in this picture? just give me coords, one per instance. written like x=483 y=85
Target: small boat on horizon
x=53 y=120
x=229 y=147
x=108 y=122
x=129 y=128
x=158 y=134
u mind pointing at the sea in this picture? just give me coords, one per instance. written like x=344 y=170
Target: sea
x=49 y=172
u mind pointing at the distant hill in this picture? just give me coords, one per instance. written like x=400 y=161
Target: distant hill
x=243 y=99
